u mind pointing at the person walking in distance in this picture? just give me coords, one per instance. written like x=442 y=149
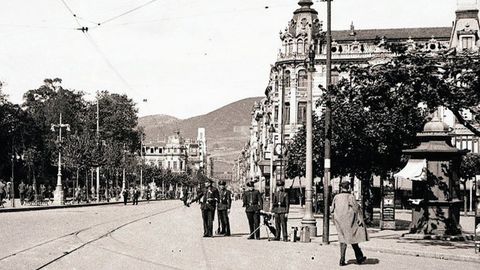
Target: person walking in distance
x=224 y=205
x=252 y=201
x=207 y=198
x=348 y=219
x=280 y=207
x=135 y=195
x=21 y=191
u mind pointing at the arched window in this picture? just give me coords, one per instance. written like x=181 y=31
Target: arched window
x=302 y=80
x=285 y=47
x=290 y=46
x=300 y=46
x=287 y=79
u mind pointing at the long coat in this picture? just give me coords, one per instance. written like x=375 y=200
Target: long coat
x=348 y=218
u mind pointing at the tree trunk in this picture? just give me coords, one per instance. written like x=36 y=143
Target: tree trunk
x=465 y=198
x=78 y=169
x=367 y=199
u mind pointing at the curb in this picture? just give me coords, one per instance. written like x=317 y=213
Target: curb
x=50 y=207
x=440 y=256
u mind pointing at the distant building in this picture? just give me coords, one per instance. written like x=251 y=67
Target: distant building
x=178 y=154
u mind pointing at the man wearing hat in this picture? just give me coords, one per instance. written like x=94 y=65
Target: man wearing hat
x=207 y=198
x=280 y=207
x=252 y=201
x=224 y=205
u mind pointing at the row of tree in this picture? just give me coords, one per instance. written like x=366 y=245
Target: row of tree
x=378 y=109
x=31 y=145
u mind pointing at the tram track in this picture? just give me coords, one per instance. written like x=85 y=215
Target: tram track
x=108 y=233
x=76 y=233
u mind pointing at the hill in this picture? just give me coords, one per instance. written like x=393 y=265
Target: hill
x=227 y=130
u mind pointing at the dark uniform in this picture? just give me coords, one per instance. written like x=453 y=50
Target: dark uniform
x=136 y=194
x=252 y=201
x=224 y=205
x=125 y=196
x=207 y=198
x=280 y=208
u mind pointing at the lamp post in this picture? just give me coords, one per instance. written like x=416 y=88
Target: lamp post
x=271 y=131
x=328 y=132
x=308 y=219
x=98 y=138
x=58 y=194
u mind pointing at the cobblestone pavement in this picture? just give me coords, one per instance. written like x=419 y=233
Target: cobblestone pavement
x=167 y=235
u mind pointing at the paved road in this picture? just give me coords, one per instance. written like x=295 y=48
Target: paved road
x=163 y=235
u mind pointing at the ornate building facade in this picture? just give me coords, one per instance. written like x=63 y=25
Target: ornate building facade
x=281 y=113
x=177 y=153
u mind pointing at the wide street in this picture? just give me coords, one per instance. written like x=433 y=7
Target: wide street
x=165 y=235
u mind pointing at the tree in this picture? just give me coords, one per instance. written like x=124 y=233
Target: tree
x=469 y=168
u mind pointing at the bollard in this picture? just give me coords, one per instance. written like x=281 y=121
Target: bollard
x=305 y=235
x=294 y=234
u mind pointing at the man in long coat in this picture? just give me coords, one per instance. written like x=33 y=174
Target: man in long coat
x=348 y=219
x=253 y=203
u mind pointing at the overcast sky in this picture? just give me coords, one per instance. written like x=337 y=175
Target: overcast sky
x=186 y=57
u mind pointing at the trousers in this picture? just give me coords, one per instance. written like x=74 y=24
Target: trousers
x=207 y=216
x=224 y=222
x=356 y=249
x=254 y=224
x=281 y=225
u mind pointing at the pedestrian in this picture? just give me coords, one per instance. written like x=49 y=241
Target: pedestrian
x=207 y=198
x=348 y=219
x=125 y=196
x=280 y=207
x=2 y=192
x=136 y=194
x=185 y=195
x=224 y=205
x=253 y=203
x=21 y=192
x=148 y=193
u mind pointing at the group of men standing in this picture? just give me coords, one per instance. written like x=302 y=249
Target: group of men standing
x=211 y=198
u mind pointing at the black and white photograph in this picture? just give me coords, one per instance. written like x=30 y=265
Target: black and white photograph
x=239 y=134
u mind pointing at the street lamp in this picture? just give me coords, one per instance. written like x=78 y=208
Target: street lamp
x=58 y=194
x=308 y=219
x=271 y=131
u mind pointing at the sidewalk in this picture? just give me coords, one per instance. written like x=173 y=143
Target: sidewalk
x=391 y=242
x=18 y=207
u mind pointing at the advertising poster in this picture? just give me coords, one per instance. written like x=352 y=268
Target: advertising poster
x=477 y=214
x=388 y=205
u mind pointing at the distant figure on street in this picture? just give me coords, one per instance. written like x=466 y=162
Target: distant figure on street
x=125 y=196
x=253 y=203
x=348 y=219
x=21 y=191
x=2 y=191
x=148 y=194
x=135 y=194
x=207 y=198
x=224 y=205
x=280 y=207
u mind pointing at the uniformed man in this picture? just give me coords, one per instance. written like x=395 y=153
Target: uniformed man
x=207 y=198
x=280 y=207
x=252 y=201
x=224 y=205
x=135 y=195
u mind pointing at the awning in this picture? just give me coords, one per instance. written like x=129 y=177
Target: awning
x=413 y=171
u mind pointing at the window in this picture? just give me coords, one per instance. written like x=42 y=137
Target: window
x=290 y=46
x=300 y=46
x=286 y=117
x=287 y=79
x=467 y=43
x=168 y=165
x=174 y=165
x=302 y=112
x=302 y=80
x=276 y=112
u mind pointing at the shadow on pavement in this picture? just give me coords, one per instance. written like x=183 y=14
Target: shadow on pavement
x=368 y=261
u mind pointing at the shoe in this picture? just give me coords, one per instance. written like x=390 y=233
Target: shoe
x=250 y=238
x=362 y=260
x=342 y=263
x=227 y=234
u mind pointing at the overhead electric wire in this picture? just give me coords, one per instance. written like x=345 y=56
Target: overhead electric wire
x=126 y=12
x=96 y=47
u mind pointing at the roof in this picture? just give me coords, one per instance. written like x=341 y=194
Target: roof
x=393 y=33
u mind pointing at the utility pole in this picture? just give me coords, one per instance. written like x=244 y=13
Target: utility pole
x=123 y=174
x=12 y=187
x=58 y=195
x=328 y=131
x=98 y=138
x=141 y=166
